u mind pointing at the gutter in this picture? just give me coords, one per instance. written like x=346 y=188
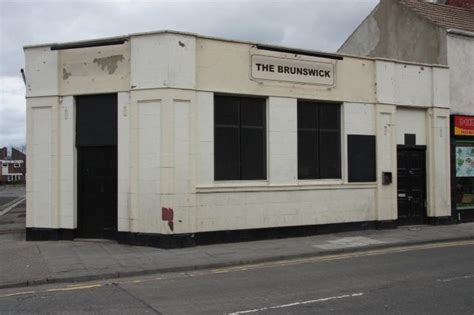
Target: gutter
x=460 y=32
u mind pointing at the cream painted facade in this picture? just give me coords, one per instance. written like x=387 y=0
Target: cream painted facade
x=166 y=82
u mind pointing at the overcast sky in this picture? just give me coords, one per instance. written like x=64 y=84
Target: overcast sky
x=317 y=24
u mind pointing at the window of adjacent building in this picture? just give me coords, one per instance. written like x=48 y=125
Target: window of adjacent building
x=464 y=175
x=319 y=140
x=239 y=138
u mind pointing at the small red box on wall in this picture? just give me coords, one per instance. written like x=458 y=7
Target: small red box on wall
x=167 y=214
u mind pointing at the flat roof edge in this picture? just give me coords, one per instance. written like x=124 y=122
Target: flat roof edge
x=405 y=62
x=79 y=42
x=108 y=40
x=127 y=37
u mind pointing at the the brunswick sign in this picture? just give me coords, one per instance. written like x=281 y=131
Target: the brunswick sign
x=292 y=70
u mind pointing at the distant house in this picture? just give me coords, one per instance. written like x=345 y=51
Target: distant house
x=432 y=32
x=3 y=153
x=13 y=168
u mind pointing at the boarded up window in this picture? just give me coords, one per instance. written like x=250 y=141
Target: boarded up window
x=319 y=145
x=361 y=158
x=239 y=138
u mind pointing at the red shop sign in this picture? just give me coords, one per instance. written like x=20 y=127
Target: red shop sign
x=464 y=125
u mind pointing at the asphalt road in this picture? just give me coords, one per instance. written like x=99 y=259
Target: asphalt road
x=424 y=279
x=12 y=209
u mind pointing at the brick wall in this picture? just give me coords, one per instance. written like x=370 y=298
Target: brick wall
x=3 y=153
x=469 y=4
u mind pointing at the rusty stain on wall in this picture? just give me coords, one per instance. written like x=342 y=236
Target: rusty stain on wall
x=167 y=214
x=66 y=74
x=110 y=63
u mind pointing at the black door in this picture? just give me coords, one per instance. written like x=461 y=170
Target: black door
x=411 y=188
x=97 y=191
x=96 y=143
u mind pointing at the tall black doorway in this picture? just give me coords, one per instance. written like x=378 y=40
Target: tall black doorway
x=96 y=143
x=411 y=189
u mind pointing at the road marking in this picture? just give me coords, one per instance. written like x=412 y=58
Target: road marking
x=15 y=203
x=18 y=293
x=456 y=278
x=75 y=288
x=290 y=262
x=255 y=310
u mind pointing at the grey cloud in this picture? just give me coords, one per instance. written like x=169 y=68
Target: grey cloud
x=317 y=24
x=12 y=112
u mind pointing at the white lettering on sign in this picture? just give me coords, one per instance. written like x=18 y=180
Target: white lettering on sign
x=292 y=70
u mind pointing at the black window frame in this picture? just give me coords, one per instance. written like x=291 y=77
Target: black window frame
x=315 y=135
x=243 y=170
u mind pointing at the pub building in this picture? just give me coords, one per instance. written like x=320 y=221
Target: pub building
x=174 y=139
x=462 y=157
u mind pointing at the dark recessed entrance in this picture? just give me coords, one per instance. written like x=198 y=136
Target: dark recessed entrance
x=96 y=143
x=411 y=189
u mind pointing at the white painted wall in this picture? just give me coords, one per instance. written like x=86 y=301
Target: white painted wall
x=411 y=85
x=412 y=121
x=461 y=74
x=94 y=70
x=163 y=60
x=67 y=164
x=282 y=140
x=359 y=119
x=149 y=143
x=438 y=165
x=246 y=210
x=124 y=153
x=224 y=67
x=205 y=138
x=386 y=200
x=441 y=92
x=41 y=71
x=41 y=188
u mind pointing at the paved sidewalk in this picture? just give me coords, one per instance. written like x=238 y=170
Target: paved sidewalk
x=28 y=263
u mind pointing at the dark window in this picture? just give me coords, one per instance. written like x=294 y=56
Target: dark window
x=319 y=144
x=96 y=120
x=410 y=139
x=361 y=158
x=239 y=138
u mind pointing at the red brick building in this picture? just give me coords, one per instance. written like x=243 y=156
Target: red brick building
x=13 y=168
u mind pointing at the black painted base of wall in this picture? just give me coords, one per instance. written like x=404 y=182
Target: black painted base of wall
x=231 y=236
x=205 y=238
x=47 y=234
x=156 y=240
x=441 y=220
